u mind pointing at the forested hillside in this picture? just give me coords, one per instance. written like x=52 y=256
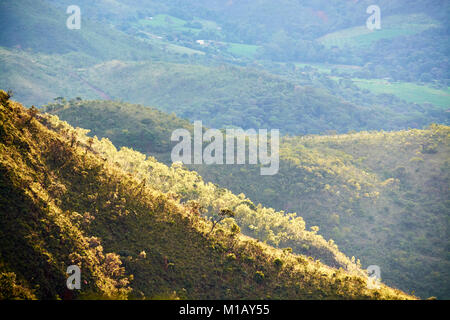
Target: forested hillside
x=381 y=196
x=62 y=203
x=266 y=224
x=232 y=96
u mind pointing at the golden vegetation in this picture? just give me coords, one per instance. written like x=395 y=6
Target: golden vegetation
x=62 y=204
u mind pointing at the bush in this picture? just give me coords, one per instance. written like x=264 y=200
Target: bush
x=278 y=263
x=259 y=276
x=235 y=229
x=4 y=97
x=231 y=257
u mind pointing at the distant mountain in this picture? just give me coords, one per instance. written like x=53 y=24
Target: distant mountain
x=411 y=45
x=38 y=26
x=105 y=60
x=224 y=95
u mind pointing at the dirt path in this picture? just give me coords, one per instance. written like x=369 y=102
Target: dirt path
x=98 y=91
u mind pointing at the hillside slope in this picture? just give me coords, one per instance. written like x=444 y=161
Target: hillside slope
x=23 y=23
x=381 y=196
x=62 y=204
x=265 y=224
x=248 y=98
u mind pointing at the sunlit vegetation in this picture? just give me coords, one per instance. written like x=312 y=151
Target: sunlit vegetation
x=380 y=196
x=144 y=128
x=265 y=224
x=70 y=199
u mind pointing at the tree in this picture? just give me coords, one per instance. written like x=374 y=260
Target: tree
x=4 y=96
x=223 y=213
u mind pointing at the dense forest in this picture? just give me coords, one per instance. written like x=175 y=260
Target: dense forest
x=232 y=96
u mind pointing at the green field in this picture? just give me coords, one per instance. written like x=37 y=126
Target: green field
x=407 y=91
x=167 y=23
x=242 y=50
x=391 y=27
x=173 y=47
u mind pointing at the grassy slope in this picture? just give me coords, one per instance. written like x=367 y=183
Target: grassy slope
x=391 y=27
x=47 y=178
x=407 y=91
x=24 y=22
x=40 y=78
x=41 y=68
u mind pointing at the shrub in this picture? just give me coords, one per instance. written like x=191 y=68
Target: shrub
x=231 y=257
x=259 y=276
x=235 y=229
x=278 y=263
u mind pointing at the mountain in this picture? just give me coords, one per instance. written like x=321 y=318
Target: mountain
x=380 y=196
x=24 y=22
x=411 y=45
x=363 y=115
x=106 y=59
x=248 y=98
x=223 y=93
x=62 y=203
